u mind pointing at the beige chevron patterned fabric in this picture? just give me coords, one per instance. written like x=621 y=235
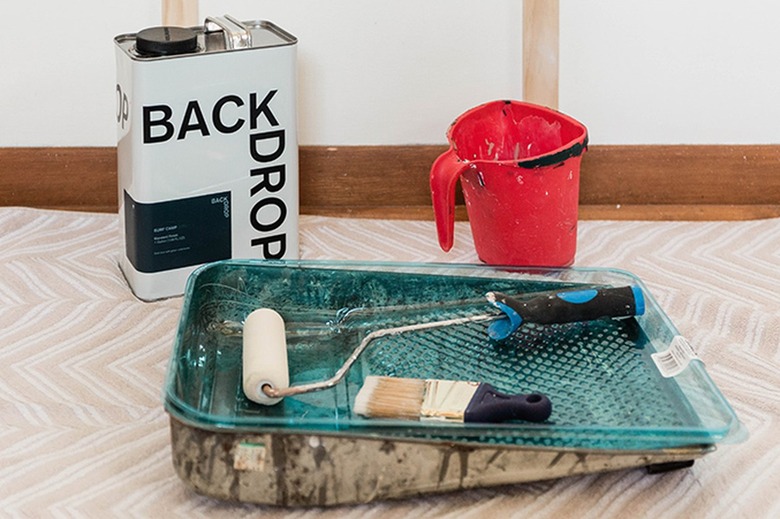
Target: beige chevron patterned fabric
x=83 y=432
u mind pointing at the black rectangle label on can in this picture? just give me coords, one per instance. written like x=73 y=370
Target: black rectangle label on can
x=177 y=233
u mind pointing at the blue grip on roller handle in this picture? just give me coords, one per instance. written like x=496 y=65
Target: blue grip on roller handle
x=566 y=307
x=491 y=406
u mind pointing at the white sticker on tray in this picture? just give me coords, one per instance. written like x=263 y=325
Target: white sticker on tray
x=673 y=361
x=250 y=456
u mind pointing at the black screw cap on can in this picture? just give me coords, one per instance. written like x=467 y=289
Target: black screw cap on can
x=166 y=41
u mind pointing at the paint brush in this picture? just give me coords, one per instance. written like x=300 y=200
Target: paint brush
x=446 y=400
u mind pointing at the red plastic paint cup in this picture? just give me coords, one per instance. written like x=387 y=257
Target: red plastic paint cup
x=519 y=168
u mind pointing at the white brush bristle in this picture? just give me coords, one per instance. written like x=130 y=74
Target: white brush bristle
x=390 y=397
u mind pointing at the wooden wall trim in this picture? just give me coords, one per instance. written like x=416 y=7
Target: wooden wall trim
x=78 y=179
x=541 y=35
x=617 y=182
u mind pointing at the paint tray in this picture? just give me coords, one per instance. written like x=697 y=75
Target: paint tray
x=611 y=403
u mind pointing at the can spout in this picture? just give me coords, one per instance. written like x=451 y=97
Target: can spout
x=166 y=41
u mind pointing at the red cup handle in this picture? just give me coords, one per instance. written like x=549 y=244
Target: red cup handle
x=445 y=171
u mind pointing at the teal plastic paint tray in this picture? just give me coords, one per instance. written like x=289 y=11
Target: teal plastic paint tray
x=622 y=393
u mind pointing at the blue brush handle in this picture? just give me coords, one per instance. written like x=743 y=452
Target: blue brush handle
x=565 y=307
x=491 y=406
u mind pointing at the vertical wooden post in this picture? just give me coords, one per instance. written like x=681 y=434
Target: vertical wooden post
x=182 y=13
x=540 y=52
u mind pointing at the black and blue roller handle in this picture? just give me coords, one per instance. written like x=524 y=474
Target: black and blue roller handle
x=566 y=306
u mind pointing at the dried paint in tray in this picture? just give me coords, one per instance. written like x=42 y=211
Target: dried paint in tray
x=606 y=390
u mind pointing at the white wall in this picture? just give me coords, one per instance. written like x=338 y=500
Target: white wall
x=398 y=71
x=672 y=71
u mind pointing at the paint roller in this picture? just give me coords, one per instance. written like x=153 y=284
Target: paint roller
x=264 y=355
x=265 y=370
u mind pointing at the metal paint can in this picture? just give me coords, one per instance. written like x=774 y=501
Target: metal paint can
x=207 y=149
